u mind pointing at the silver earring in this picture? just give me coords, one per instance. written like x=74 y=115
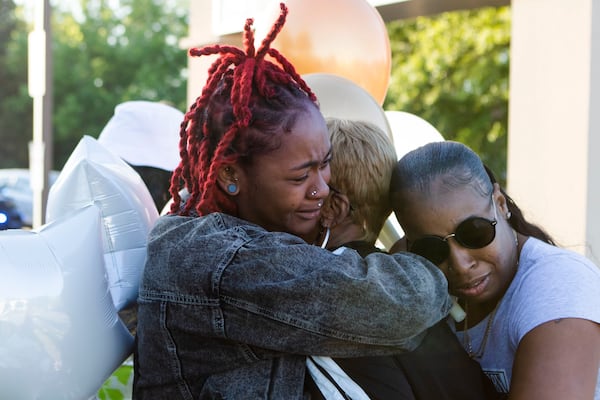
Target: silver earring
x=313 y=193
x=508 y=215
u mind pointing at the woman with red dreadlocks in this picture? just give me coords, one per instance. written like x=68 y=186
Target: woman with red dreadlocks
x=234 y=293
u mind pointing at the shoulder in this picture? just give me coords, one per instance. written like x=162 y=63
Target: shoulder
x=552 y=283
x=210 y=224
x=553 y=262
x=223 y=231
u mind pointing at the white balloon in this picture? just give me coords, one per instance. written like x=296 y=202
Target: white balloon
x=341 y=98
x=95 y=175
x=409 y=131
x=60 y=334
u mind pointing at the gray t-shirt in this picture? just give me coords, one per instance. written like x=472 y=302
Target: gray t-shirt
x=550 y=283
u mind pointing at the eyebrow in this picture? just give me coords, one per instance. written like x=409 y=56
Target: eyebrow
x=312 y=163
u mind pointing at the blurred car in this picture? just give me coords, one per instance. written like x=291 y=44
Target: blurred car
x=14 y=184
x=10 y=218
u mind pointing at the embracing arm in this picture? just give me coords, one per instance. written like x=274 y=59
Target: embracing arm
x=557 y=360
x=273 y=291
x=334 y=304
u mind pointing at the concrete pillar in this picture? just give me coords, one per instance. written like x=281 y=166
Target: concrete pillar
x=553 y=145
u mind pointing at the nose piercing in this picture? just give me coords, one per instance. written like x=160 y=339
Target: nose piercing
x=313 y=193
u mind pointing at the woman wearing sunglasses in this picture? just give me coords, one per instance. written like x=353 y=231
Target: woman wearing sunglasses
x=532 y=309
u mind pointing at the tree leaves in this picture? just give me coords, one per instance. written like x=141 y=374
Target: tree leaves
x=452 y=70
x=101 y=58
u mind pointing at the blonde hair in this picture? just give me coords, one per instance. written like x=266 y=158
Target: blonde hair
x=361 y=168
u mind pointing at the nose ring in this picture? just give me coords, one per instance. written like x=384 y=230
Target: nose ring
x=313 y=193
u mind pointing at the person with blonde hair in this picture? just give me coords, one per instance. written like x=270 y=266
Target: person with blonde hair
x=355 y=212
x=363 y=161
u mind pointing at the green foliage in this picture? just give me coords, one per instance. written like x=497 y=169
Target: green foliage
x=119 y=385
x=101 y=57
x=112 y=56
x=452 y=70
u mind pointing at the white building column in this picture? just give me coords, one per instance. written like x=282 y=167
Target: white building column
x=554 y=119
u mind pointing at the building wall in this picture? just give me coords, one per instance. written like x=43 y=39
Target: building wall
x=552 y=171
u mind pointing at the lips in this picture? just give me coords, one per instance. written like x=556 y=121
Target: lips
x=474 y=287
x=311 y=213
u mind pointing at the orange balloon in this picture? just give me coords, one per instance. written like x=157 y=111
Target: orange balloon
x=341 y=37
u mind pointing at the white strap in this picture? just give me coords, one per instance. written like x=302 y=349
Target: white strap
x=327 y=388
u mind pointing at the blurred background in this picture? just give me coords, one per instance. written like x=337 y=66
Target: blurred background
x=108 y=52
x=513 y=79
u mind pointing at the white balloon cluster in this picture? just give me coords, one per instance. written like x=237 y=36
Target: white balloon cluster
x=63 y=284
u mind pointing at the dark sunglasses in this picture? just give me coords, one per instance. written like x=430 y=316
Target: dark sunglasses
x=472 y=233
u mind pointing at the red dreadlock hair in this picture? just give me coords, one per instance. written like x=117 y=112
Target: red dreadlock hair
x=246 y=102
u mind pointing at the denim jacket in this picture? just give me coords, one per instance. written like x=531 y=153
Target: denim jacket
x=228 y=310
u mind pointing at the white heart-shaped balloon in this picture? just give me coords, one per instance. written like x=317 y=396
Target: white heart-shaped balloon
x=94 y=175
x=60 y=334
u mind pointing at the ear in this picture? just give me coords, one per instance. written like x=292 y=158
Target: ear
x=335 y=210
x=227 y=179
x=500 y=202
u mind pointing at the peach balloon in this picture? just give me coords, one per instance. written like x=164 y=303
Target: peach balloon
x=341 y=37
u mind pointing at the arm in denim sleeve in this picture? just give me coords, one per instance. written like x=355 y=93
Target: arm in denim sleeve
x=321 y=303
x=276 y=293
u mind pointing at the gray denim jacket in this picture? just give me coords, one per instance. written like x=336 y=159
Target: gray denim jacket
x=228 y=310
